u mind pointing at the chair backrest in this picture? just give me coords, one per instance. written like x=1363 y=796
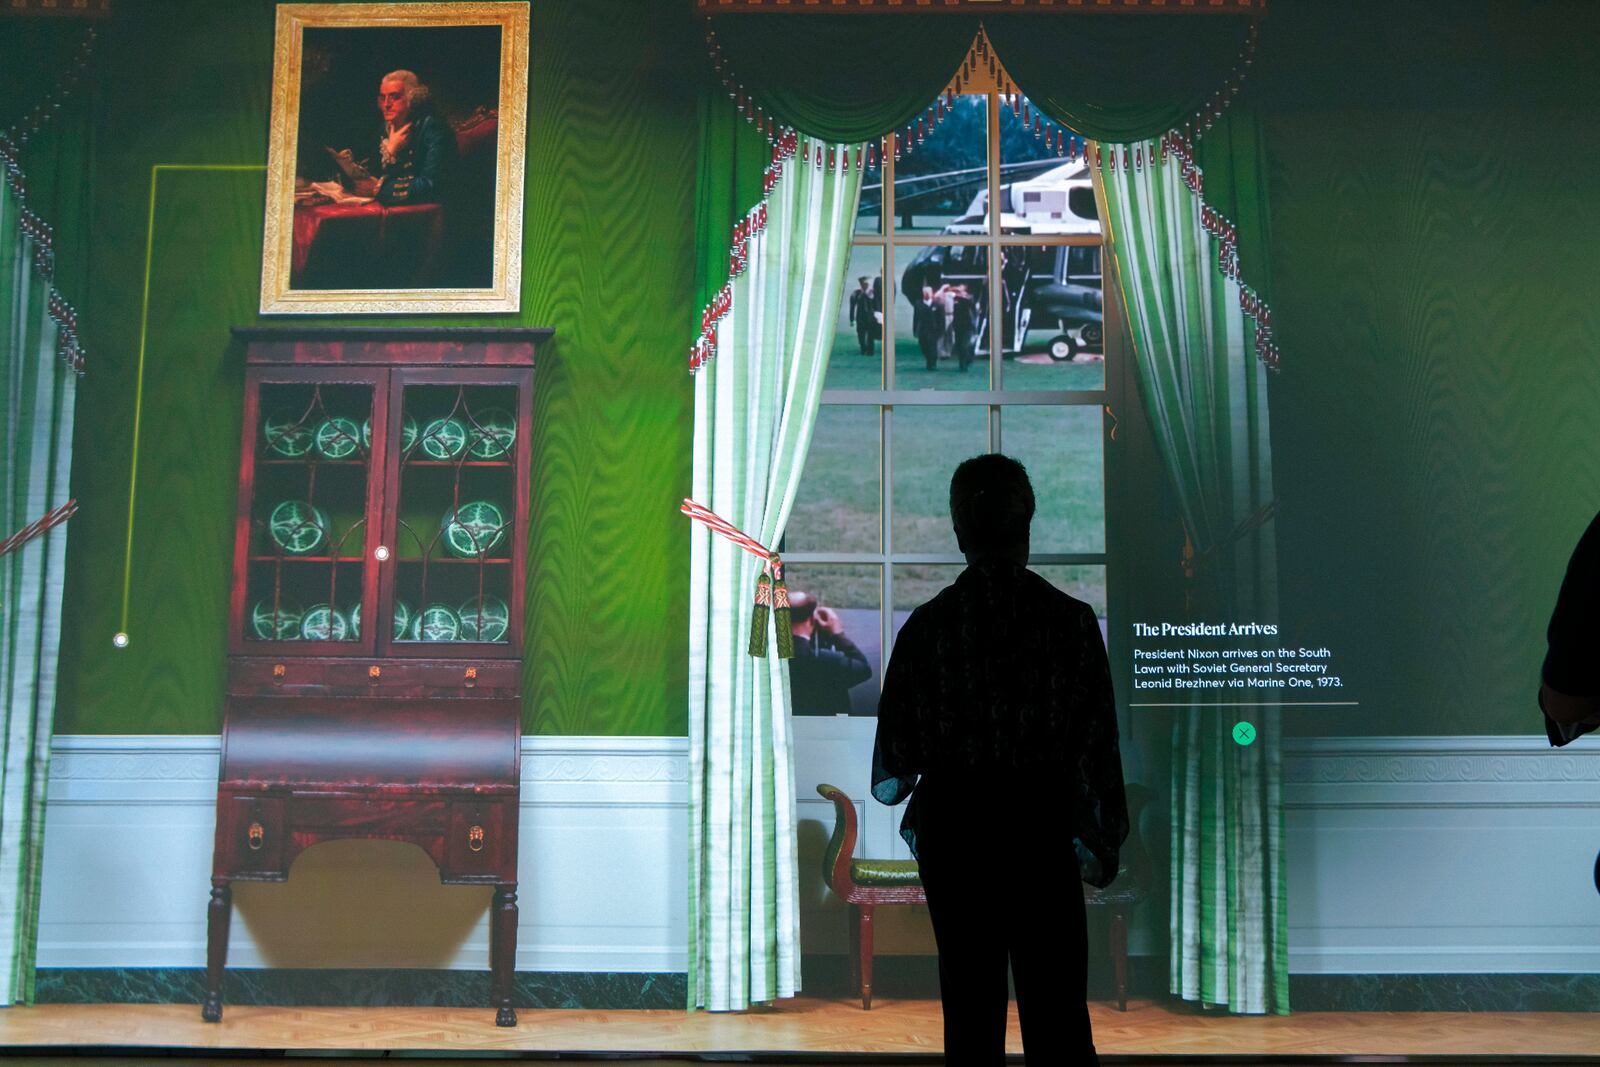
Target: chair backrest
x=1135 y=854
x=842 y=845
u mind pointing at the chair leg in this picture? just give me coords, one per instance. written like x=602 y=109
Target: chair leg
x=1119 y=957
x=866 y=957
x=853 y=920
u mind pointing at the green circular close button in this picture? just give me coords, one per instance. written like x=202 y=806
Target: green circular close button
x=1244 y=733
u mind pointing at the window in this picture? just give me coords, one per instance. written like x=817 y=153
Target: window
x=938 y=282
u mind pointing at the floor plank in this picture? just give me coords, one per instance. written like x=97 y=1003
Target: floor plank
x=804 y=1024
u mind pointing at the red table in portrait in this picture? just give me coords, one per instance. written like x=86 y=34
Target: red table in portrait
x=342 y=245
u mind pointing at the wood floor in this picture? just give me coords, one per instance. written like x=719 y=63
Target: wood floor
x=803 y=1024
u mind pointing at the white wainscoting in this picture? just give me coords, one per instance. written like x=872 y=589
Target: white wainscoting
x=127 y=868
x=1442 y=855
x=1406 y=855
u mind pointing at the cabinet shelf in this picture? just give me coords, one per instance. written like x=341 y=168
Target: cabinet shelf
x=454 y=561
x=284 y=461
x=307 y=559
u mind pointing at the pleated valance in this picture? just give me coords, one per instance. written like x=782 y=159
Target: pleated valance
x=856 y=77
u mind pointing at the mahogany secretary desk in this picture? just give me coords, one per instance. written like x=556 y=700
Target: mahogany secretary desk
x=376 y=614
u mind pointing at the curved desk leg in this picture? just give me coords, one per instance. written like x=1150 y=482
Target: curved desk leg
x=218 y=915
x=503 y=952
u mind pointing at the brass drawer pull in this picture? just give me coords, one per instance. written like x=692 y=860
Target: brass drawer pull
x=470 y=679
x=475 y=838
x=374 y=672
x=278 y=671
x=256 y=836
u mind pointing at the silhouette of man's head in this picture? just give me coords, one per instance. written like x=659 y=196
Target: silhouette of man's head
x=991 y=505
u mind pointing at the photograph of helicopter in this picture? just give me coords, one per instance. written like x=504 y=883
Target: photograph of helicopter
x=1055 y=288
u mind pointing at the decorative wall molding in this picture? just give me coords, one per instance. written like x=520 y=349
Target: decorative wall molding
x=1441 y=856
x=1435 y=759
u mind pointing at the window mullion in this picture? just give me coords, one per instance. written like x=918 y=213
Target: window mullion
x=996 y=304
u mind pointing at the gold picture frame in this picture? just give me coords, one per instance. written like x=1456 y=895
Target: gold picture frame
x=396 y=206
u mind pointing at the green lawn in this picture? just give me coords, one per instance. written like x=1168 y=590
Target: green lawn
x=837 y=508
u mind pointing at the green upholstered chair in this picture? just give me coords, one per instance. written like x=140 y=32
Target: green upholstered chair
x=864 y=884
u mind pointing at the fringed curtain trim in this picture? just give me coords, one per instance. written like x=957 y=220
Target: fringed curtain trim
x=35 y=228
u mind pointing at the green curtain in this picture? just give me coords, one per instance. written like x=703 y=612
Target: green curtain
x=1232 y=155
x=46 y=108
x=36 y=395
x=845 y=78
x=1206 y=395
x=733 y=158
x=1116 y=78
x=755 y=406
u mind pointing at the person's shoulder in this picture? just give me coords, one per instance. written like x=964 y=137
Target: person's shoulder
x=1059 y=600
x=939 y=606
x=1589 y=543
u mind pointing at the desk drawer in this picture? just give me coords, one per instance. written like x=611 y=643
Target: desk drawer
x=368 y=816
x=481 y=842
x=250 y=836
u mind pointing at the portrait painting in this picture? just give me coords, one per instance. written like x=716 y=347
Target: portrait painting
x=396 y=156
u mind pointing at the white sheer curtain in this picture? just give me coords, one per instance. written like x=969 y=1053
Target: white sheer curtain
x=755 y=406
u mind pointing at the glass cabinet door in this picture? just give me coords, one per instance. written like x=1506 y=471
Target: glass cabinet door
x=455 y=583
x=306 y=586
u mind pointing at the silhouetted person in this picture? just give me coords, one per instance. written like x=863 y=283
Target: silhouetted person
x=930 y=323
x=997 y=716
x=965 y=327
x=1569 y=690
x=826 y=663
x=861 y=316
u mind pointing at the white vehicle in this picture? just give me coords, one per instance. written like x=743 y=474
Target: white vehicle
x=1058 y=201
x=1048 y=286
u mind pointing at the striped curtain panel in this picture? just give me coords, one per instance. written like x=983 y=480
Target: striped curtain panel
x=755 y=406
x=1206 y=396
x=36 y=396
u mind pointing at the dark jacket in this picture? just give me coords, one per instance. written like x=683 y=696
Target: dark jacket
x=1574 y=634
x=1001 y=684
x=821 y=676
x=420 y=167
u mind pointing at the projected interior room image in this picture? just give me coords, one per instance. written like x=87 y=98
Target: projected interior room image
x=850 y=532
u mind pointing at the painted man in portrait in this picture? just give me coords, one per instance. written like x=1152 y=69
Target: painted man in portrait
x=415 y=146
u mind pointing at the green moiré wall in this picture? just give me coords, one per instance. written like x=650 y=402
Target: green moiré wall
x=1436 y=220
x=608 y=262
x=1434 y=227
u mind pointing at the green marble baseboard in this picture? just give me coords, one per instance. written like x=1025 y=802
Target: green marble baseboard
x=351 y=987
x=918 y=976
x=1444 y=992
x=825 y=976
